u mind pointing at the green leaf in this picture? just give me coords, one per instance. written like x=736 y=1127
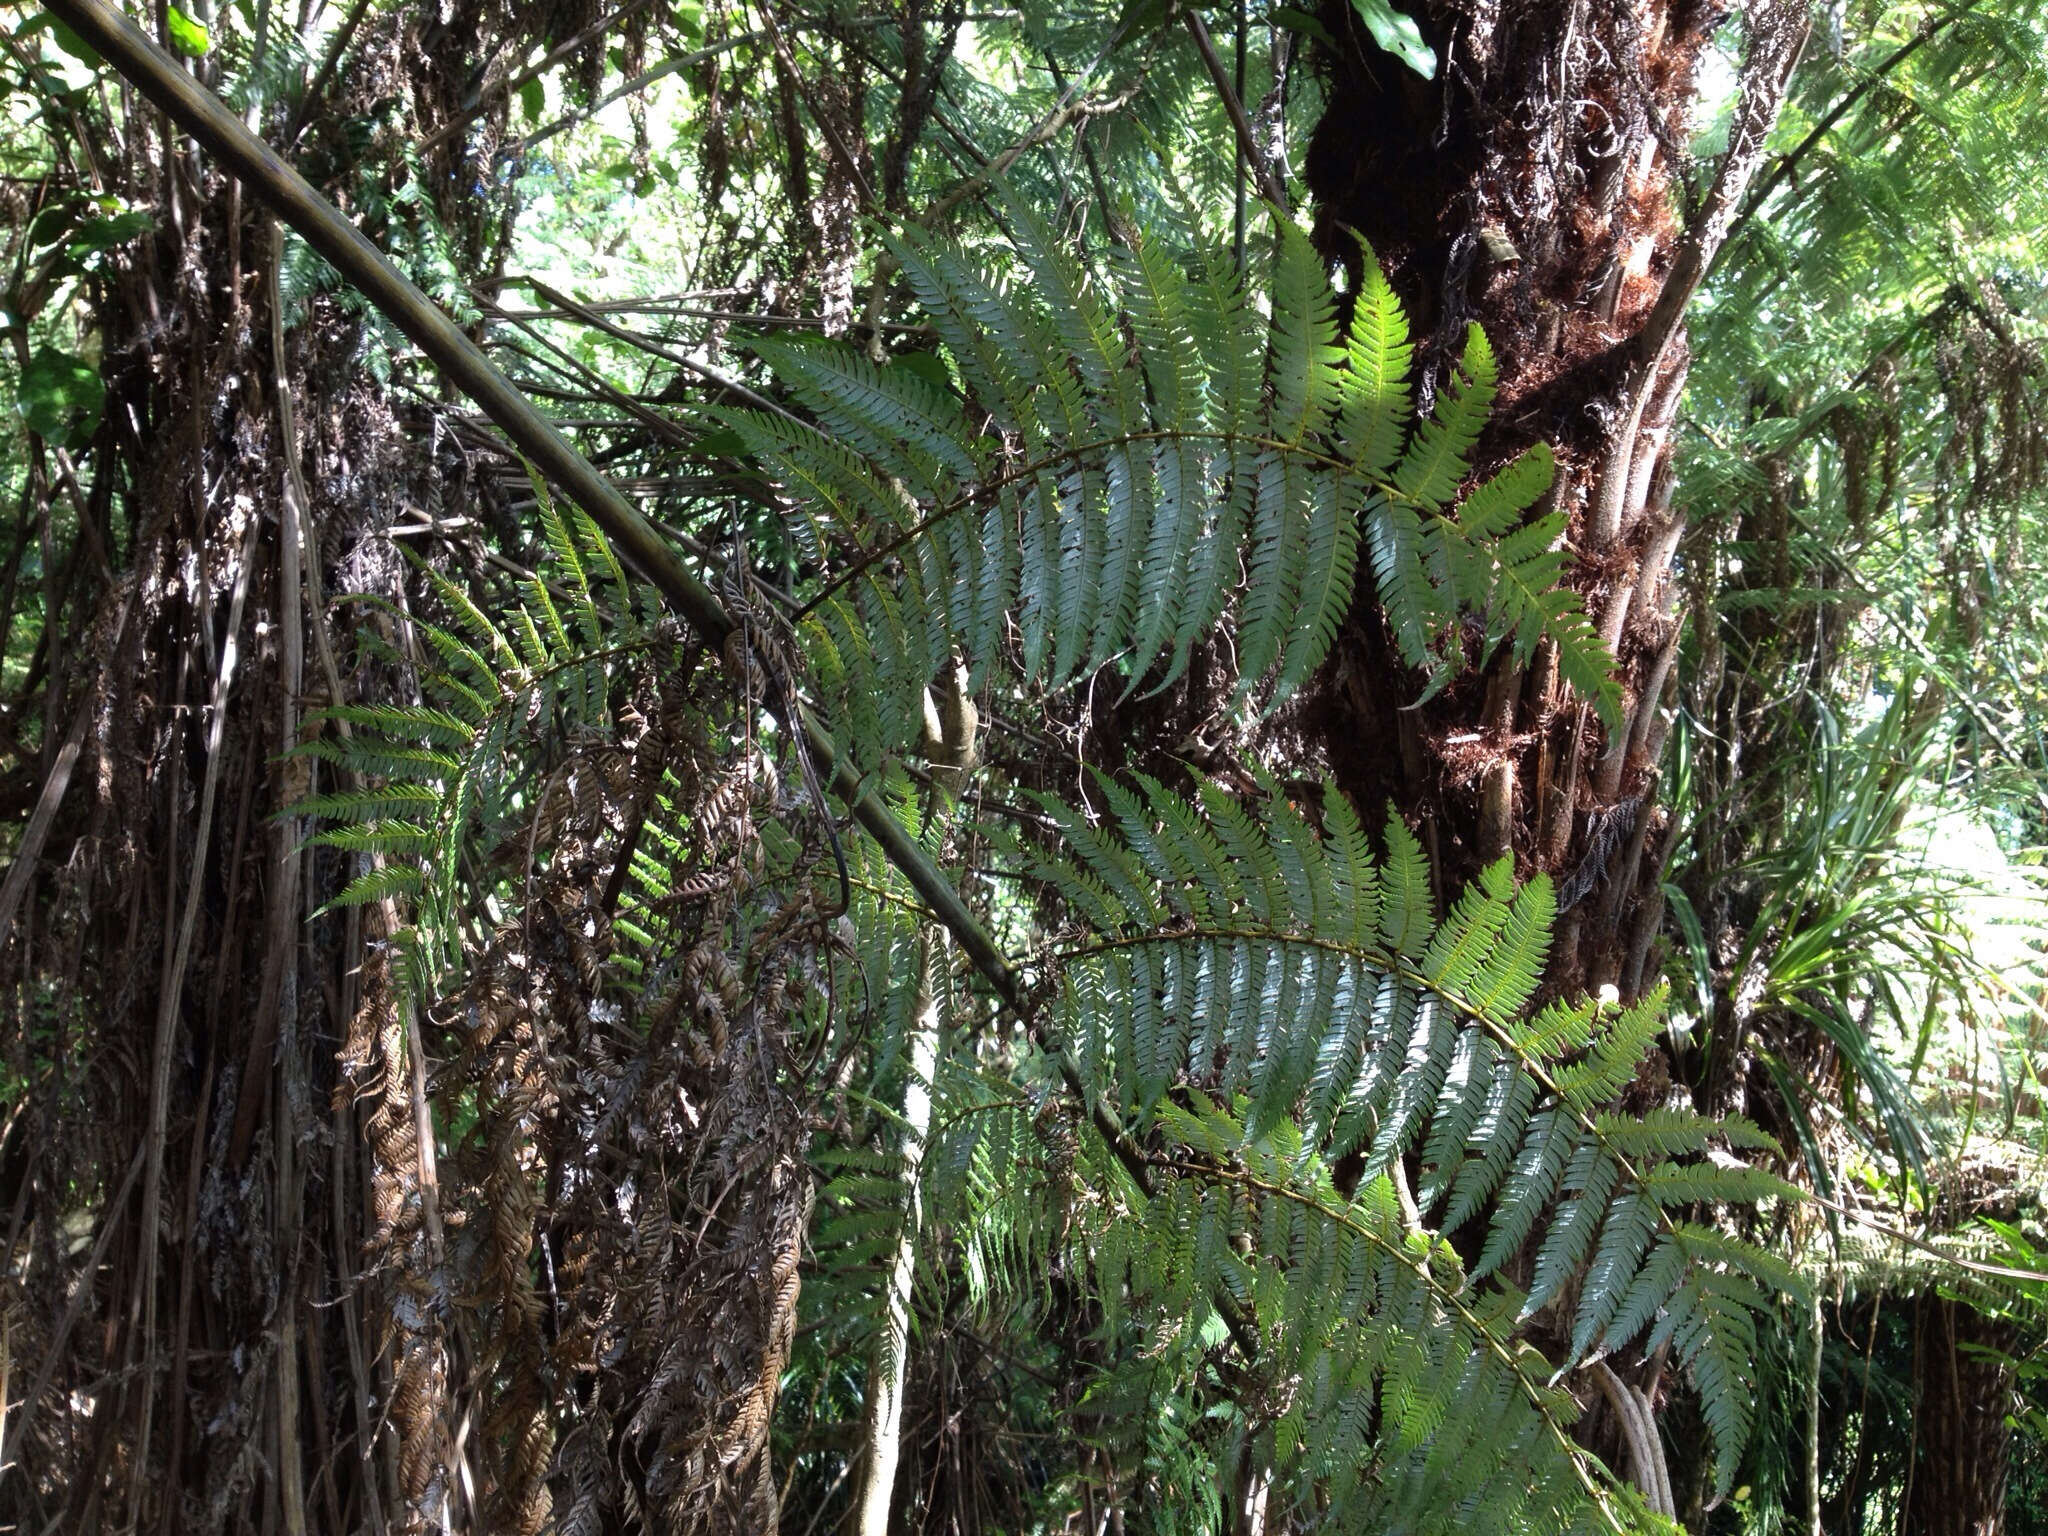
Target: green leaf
x=533 y=99
x=1139 y=18
x=1295 y=19
x=377 y=884
x=189 y=37
x=928 y=366
x=1398 y=34
x=105 y=234
x=71 y=43
x=60 y=396
x=48 y=227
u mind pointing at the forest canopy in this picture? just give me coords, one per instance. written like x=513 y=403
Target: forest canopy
x=1197 y=769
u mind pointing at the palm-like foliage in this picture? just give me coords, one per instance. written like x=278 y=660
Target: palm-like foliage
x=1276 y=1028
x=490 y=750
x=1262 y=1000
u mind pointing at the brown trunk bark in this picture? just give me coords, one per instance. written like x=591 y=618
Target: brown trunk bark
x=1540 y=185
x=194 y=1345
x=1963 y=1444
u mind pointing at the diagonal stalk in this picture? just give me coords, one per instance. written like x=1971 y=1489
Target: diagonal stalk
x=160 y=79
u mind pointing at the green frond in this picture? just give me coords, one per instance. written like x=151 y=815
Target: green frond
x=568 y=556
x=1252 y=1031
x=1414 y=603
x=1616 y=1050
x=373 y=804
x=1305 y=354
x=1589 y=1179
x=1372 y=421
x=1437 y=458
x=390 y=839
x=401 y=722
x=1466 y=937
x=378 y=884
x=1710 y=1323
x=1630 y=1228
x=1687 y=1184
x=1408 y=903
x=1492 y=511
x=1136 y=462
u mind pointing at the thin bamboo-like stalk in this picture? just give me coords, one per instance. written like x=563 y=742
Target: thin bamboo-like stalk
x=157 y=76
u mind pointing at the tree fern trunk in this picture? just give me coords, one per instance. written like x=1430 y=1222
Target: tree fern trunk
x=166 y=998
x=1963 y=1441
x=1539 y=185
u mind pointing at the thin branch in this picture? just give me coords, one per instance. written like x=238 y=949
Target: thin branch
x=632 y=87
x=1973 y=1266
x=668 y=67
x=1789 y=162
x=324 y=76
x=24 y=1411
x=821 y=118
x=648 y=345
x=170 y=1000
x=652 y=419
x=1247 y=141
x=490 y=94
x=1069 y=107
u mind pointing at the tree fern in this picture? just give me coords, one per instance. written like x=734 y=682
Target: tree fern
x=1248 y=1023
x=505 y=703
x=1136 y=456
x=1251 y=997
x=1222 y=993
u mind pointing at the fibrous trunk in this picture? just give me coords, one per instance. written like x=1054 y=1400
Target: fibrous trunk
x=1964 y=1387
x=1541 y=185
x=266 y=1265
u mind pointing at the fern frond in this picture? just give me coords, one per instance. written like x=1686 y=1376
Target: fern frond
x=1136 y=462
x=385 y=881
x=1437 y=457
x=1372 y=421
x=1228 y=1000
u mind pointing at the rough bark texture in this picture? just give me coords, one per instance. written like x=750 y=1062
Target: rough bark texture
x=1541 y=186
x=194 y=1363
x=1964 y=1441
x=236 y=1291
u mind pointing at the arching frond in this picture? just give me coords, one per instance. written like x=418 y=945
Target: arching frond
x=1255 y=1038
x=1131 y=463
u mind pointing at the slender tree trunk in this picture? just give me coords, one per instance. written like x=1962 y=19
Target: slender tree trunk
x=883 y=1427
x=1816 y=1323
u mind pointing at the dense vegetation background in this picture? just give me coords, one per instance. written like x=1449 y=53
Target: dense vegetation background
x=1232 y=769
